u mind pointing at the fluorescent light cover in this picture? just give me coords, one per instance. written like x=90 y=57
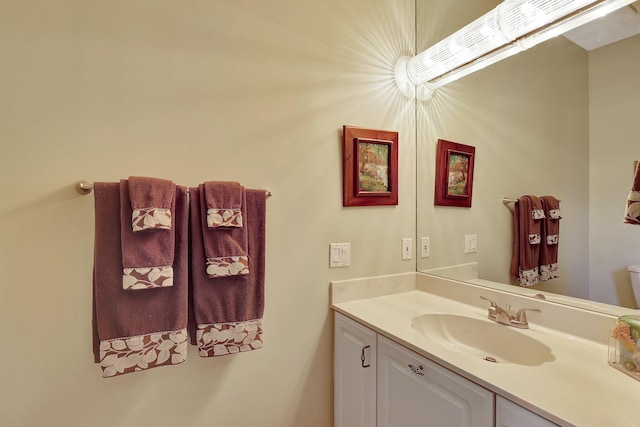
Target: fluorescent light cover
x=511 y=27
x=476 y=65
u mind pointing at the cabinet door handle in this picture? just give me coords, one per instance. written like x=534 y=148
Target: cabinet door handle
x=418 y=370
x=363 y=358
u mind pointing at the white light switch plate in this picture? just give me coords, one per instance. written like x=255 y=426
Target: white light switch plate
x=339 y=255
x=470 y=243
x=425 y=247
x=407 y=248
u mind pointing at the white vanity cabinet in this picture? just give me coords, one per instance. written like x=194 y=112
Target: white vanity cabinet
x=410 y=390
x=508 y=414
x=414 y=391
x=354 y=374
x=379 y=383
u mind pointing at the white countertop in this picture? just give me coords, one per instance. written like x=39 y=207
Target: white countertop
x=577 y=387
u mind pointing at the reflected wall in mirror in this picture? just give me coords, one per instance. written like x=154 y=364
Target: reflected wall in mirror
x=554 y=120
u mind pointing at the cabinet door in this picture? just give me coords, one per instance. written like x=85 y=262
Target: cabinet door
x=354 y=374
x=508 y=414
x=413 y=391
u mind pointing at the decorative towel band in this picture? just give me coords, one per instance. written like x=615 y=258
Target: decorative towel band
x=220 y=339
x=552 y=239
x=151 y=219
x=147 y=278
x=549 y=271
x=632 y=210
x=534 y=239
x=224 y=218
x=528 y=278
x=537 y=214
x=129 y=354
x=227 y=266
x=555 y=214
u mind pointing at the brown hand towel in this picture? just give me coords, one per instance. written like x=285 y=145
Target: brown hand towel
x=632 y=210
x=151 y=201
x=147 y=257
x=136 y=330
x=526 y=240
x=225 y=247
x=224 y=203
x=550 y=237
x=227 y=312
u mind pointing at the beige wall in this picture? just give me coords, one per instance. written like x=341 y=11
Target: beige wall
x=614 y=105
x=527 y=116
x=251 y=91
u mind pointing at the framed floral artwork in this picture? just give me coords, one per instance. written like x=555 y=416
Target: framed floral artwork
x=369 y=167
x=454 y=174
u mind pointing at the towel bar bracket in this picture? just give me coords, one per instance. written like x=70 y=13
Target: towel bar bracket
x=84 y=187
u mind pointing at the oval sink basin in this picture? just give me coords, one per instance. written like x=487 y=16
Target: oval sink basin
x=484 y=338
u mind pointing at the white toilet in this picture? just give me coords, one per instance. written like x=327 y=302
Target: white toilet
x=634 y=272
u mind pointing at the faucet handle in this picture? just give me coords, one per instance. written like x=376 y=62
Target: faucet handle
x=521 y=317
x=492 y=302
x=492 y=314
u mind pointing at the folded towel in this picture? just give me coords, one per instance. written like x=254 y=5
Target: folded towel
x=225 y=247
x=632 y=211
x=224 y=202
x=526 y=240
x=550 y=231
x=147 y=257
x=136 y=330
x=226 y=313
x=151 y=200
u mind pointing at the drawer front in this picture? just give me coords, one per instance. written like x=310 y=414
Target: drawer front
x=509 y=414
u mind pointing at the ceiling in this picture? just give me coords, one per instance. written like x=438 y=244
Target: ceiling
x=617 y=25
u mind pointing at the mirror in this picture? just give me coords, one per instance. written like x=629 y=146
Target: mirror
x=553 y=120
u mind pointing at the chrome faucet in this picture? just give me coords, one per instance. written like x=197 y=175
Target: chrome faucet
x=504 y=316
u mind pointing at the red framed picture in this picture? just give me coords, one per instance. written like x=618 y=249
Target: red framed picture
x=369 y=167
x=454 y=174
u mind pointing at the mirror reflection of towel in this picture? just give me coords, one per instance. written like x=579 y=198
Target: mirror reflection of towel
x=526 y=240
x=550 y=238
x=632 y=211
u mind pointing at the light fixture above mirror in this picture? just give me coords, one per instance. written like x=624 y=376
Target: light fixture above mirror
x=509 y=28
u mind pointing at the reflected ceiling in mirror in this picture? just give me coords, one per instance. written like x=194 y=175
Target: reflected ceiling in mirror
x=617 y=25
